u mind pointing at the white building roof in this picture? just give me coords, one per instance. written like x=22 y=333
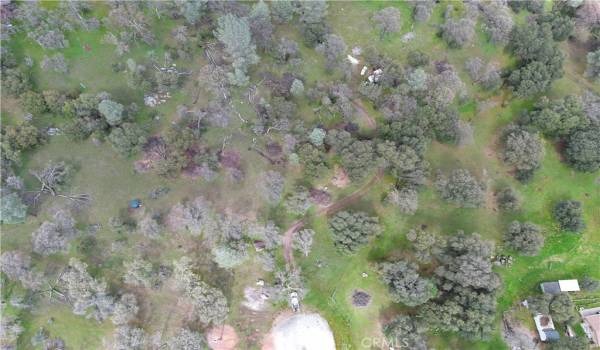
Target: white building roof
x=545 y=327
x=569 y=285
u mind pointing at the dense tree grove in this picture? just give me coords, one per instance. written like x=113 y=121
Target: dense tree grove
x=33 y=102
x=303 y=241
x=508 y=199
x=406 y=331
x=333 y=49
x=487 y=75
x=589 y=284
x=593 y=65
x=423 y=10
x=112 y=111
x=56 y=63
x=196 y=217
x=125 y=309
x=458 y=32
x=312 y=21
x=228 y=255
x=387 y=21
x=406 y=199
x=569 y=215
x=129 y=338
x=357 y=157
x=351 y=230
x=13 y=210
x=582 y=148
x=406 y=285
x=403 y=163
x=498 y=21
x=128 y=138
x=19 y=138
x=210 y=305
x=298 y=202
x=17 y=266
x=54 y=237
x=466 y=285
x=234 y=33
x=138 y=272
x=260 y=25
x=525 y=238
x=540 y=59
x=186 y=339
x=423 y=243
x=558 y=118
x=461 y=188
x=562 y=309
x=523 y=150
x=272 y=186
x=88 y=295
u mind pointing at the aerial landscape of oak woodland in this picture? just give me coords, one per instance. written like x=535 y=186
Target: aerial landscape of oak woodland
x=300 y=175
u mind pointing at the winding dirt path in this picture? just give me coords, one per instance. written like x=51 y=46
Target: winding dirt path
x=360 y=107
x=329 y=210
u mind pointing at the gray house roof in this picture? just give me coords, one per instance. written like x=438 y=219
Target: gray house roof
x=550 y=287
x=551 y=335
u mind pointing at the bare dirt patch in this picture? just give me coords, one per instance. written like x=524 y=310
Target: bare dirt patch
x=222 y=338
x=255 y=299
x=340 y=179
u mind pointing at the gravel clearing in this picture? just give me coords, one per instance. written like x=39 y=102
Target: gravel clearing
x=301 y=332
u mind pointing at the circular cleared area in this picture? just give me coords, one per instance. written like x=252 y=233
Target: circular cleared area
x=302 y=332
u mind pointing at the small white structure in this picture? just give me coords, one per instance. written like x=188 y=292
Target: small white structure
x=151 y=101
x=545 y=328
x=377 y=75
x=53 y=131
x=155 y=99
x=353 y=60
x=363 y=70
x=356 y=51
x=373 y=78
x=569 y=285
x=294 y=301
x=560 y=287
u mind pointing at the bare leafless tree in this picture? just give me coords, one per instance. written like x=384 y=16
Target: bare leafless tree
x=52 y=178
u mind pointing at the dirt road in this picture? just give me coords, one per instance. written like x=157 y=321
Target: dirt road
x=371 y=123
x=329 y=210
